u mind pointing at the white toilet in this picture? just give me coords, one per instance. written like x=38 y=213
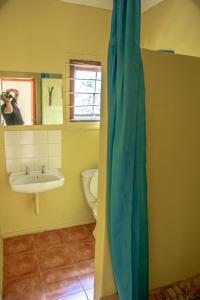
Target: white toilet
x=90 y=187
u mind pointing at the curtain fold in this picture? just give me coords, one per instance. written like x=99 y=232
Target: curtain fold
x=127 y=197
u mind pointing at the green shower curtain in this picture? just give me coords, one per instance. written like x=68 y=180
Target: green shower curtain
x=127 y=200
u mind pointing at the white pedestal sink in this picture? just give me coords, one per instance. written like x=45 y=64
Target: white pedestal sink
x=36 y=182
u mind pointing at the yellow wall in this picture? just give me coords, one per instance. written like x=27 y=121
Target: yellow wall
x=104 y=283
x=38 y=37
x=173 y=164
x=173 y=24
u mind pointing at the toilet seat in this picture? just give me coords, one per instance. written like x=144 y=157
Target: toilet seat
x=94 y=184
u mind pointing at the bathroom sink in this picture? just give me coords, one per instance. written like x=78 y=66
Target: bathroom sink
x=36 y=181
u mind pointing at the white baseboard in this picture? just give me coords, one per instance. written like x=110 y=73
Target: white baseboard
x=69 y=223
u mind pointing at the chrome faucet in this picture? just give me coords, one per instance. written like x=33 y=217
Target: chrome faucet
x=43 y=169
x=27 y=171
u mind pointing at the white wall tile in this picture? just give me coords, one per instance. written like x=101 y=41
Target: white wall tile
x=26 y=137
x=54 y=136
x=54 y=149
x=32 y=149
x=26 y=151
x=13 y=165
x=11 y=138
x=41 y=150
x=12 y=152
x=40 y=137
x=24 y=163
x=20 y=151
x=40 y=162
x=55 y=162
x=16 y=165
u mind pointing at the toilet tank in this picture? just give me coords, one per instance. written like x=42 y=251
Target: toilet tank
x=86 y=176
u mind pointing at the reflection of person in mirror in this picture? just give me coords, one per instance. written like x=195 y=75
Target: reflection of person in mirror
x=9 y=109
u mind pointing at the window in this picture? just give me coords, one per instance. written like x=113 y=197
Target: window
x=85 y=90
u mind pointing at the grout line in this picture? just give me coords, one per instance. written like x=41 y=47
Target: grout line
x=86 y=295
x=88 y=298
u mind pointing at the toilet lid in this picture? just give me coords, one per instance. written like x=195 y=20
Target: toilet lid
x=94 y=184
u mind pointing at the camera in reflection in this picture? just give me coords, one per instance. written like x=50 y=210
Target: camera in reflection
x=6 y=96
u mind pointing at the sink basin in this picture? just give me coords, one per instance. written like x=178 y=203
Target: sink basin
x=36 y=182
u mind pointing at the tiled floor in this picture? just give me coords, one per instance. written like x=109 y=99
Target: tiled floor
x=59 y=264
x=182 y=290
x=51 y=265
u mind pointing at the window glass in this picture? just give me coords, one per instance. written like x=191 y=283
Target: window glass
x=85 y=91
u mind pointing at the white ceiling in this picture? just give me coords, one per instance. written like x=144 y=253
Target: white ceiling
x=107 y=4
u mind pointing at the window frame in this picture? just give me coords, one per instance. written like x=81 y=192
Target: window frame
x=73 y=68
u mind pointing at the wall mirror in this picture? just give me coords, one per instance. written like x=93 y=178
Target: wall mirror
x=31 y=98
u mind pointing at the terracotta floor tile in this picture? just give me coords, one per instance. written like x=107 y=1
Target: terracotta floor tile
x=59 y=274
x=87 y=281
x=151 y=297
x=85 y=267
x=81 y=250
x=78 y=296
x=90 y=294
x=76 y=233
x=86 y=274
x=53 y=258
x=50 y=265
x=91 y=227
x=47 y=239
x=161 y=297
x=17 y=265
x=18 y=244
x=62 y=288
x=23 y=289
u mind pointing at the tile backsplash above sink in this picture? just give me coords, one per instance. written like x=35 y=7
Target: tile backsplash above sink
x=32 y=149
